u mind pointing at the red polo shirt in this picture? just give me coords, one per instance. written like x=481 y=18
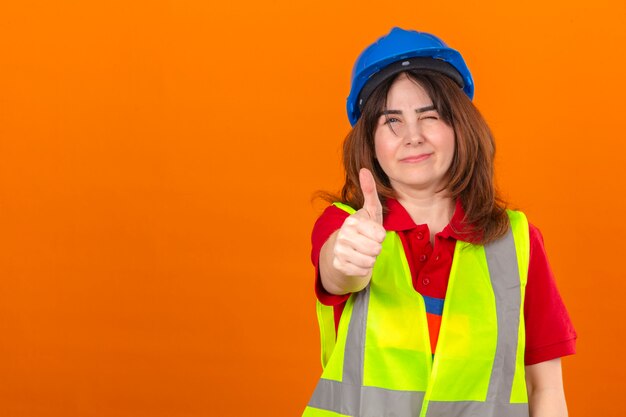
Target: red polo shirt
x=549 y=331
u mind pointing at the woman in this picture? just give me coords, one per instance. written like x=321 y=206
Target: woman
x=434 y=300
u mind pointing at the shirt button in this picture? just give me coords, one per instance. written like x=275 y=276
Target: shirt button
x=437 y=258
x=423 y=257
x=425 y=281
x=420 y=235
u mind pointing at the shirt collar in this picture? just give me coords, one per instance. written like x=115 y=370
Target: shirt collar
x=398 y=219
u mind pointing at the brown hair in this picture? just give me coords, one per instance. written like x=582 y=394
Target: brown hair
x=470 y=176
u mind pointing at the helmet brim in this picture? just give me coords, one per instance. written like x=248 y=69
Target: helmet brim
x=405 y=65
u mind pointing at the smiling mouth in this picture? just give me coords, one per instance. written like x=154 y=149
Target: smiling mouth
x=416 y=158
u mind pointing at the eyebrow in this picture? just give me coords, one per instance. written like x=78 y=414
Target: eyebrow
x=418 y=111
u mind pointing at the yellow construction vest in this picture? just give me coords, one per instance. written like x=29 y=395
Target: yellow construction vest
x=379 y=363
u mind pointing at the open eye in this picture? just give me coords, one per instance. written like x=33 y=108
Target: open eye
x=390 y=120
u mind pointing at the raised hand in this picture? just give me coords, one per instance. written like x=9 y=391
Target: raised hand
x=359 y=240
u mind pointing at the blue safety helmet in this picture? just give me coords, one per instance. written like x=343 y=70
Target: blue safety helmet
x=398 y=51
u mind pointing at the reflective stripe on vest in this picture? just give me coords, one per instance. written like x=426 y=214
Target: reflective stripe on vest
x=381 y=364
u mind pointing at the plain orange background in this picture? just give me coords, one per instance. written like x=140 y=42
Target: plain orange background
x=157 y=163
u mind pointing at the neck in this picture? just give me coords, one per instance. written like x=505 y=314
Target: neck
x=432 y=209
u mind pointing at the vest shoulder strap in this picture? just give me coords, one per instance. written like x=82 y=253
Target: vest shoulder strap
x=344 y=207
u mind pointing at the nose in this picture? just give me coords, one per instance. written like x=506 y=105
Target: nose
x=413 y=134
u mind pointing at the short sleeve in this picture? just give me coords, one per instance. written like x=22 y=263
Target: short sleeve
x=330 y=221
x=549 y=330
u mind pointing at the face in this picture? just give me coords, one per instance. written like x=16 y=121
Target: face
x=414 y=146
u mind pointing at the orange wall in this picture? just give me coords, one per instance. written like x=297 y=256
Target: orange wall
x=157 y=160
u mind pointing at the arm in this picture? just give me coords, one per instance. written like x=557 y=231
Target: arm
x=544 y=382
x=550 y=333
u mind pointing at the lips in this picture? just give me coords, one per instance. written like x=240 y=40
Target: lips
x=416 y=158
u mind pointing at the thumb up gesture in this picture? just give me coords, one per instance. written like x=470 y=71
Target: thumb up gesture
x=359 y=240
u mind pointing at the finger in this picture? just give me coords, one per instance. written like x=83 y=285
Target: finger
x=372 y=230
x=371 y=201
x=350 y=269
x=359 y=224
x=349 y=255
x=347 y=241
